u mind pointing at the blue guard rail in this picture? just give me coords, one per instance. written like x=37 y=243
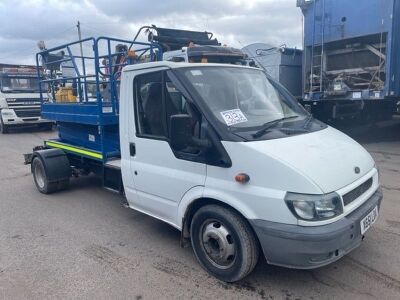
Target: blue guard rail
x=80 y=91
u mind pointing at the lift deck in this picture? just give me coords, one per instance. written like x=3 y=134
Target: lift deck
x=83 y=80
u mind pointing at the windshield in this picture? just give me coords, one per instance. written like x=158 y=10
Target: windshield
x=19 y=84
x=242 y=98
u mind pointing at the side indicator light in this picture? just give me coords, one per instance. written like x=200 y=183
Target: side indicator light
x=242 y=178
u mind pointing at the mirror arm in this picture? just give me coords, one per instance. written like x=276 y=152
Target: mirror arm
x=202 y=143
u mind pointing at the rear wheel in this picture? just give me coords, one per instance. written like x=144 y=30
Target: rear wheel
x=42 y=182
x=223 y=243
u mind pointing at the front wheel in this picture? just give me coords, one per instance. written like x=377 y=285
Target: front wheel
x=223 y=243
x=3 y=127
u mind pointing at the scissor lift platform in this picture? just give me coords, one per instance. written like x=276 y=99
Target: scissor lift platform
x=92 y=69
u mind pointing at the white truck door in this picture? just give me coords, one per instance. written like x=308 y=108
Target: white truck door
x=161 y=179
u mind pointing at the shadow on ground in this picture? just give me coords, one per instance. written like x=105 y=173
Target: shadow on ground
x=388 y=131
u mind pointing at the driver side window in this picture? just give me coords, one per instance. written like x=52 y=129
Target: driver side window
x=177 y=104
x=157 y=99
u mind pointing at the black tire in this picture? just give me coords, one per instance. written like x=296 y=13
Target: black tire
x=3 y=127
x=41 y=181
x=223 y=243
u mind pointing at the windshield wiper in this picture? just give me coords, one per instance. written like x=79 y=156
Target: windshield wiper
x=270 y=124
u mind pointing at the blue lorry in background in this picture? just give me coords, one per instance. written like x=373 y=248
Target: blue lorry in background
x=351 y=61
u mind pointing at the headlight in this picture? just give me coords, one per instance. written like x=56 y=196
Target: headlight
x=7 y=112
x=314 y=207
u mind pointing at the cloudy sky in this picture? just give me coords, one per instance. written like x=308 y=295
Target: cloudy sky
x=233 y=22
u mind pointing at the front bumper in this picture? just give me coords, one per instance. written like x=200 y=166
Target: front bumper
x=11 y=118
x=26 y=122
x=312 y=247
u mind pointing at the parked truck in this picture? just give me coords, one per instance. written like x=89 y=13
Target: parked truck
x=20 y=98
x=213 y=150
x=351 y=64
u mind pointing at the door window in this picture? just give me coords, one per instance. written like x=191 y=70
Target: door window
x=176 y=104
x=150 y=114
x=157 y=99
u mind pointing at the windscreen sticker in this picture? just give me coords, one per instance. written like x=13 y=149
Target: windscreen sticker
x=196 y=72
x=233 y=116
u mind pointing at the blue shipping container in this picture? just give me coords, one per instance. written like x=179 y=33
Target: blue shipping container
x=351 y=53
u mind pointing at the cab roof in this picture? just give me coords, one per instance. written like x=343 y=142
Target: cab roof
x=178 y=65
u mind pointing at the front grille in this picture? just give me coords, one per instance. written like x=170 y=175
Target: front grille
x=357 y=192
x=20 y=102
x=27 y=113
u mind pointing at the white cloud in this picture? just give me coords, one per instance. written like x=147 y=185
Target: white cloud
x=234 y=22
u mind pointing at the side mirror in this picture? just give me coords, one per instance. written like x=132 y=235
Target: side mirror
x=180 y=131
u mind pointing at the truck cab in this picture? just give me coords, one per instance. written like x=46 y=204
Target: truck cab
x=19 y=97
x=229 y=137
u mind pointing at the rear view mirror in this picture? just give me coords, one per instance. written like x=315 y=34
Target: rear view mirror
x=180 y=131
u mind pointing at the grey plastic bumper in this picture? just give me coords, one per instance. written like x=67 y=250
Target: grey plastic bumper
x=311 y=247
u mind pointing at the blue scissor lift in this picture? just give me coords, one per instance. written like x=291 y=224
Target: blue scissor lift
x=89 y=124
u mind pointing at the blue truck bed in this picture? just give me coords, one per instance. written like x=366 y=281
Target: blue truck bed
x=81 y=92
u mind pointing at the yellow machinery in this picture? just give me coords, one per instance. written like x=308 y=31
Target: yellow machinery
x=65 y=94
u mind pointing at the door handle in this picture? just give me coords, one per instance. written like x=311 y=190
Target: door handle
x=132 y=149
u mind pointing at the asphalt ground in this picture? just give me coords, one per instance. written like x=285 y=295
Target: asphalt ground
x=82 y=243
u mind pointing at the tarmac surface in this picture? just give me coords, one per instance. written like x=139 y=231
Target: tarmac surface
x=82 y=243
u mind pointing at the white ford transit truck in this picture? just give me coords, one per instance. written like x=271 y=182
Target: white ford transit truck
x=228 y=157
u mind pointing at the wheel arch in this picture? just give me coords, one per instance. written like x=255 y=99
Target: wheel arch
x=202 y=201
x=55 y=162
